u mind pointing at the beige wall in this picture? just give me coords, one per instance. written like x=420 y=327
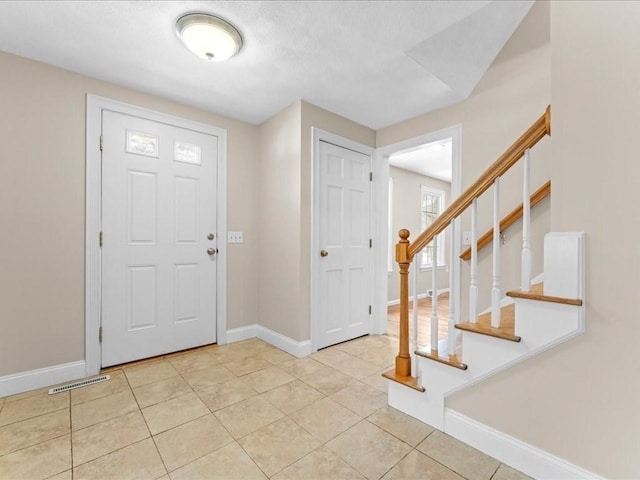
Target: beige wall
x=513 y=93
x=407 y=214
x=42 y=171
x=285 y=199
x=580 y=401
x=278 y=267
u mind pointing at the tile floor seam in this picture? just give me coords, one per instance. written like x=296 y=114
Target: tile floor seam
x=111 y=452
x=311 y=433
x=166 y=469
x=34 y=416
x=442 y=464
x=169 y=472
x=251 y=458
x=495 y=471
x=398 y=462
x=33 y=444
x=71 y=436
x=178 y=424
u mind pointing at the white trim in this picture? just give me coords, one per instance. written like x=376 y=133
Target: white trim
x=391 y=303
x=318 y=135
x=511 y=451
x=390 y=259
x=293 y=347
x=242 y=333
x=441 y=238
x=380 y=199
x=42 y=377
x=95 y=106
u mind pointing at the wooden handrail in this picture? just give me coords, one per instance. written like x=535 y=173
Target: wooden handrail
x=510 y=157
x=405 y=250
x=509 y=219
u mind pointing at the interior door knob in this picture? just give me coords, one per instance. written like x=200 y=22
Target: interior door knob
x=211 y=251
x=323 y=253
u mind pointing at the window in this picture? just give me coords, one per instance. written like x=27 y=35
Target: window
x=431 y=205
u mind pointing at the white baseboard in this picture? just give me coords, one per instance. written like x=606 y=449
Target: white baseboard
x=42 y=377
x=298 y=349
x=511 y=451
x=242 y=333
x=391 y=303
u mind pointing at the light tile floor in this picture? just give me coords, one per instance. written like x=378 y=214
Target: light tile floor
x=240 y=411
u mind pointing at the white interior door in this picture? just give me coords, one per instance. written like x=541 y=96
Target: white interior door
x=344 y=241
x=159 y=238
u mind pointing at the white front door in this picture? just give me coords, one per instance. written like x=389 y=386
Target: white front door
x=159 y=238
x=344 y=240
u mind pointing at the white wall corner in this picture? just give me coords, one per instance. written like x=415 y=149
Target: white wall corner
x=42 y=377
x=564 y=264
x=242 y=333
x=511 y=451
x=293 y=347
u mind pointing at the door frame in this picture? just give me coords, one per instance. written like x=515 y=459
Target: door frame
x=93 y=217
x=317 y=136
x=381 y=195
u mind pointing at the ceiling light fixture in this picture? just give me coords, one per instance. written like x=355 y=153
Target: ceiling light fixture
x=210 y=38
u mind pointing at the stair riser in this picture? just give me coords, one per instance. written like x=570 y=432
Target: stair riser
x=427 y=407
x=484 y=353
x=539 y=323
x=564 y=264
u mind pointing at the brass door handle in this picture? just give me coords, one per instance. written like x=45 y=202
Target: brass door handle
x=323 y=253
x=211 y=251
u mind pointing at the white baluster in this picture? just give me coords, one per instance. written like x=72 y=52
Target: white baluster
x=473 y=289
x=414 y=318
x=451 y=334
x=526 y=226
x=434 y=297
x=495 y=290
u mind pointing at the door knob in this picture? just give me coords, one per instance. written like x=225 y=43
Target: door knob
x=323 y=253
x=211 y=236
x=211 y=251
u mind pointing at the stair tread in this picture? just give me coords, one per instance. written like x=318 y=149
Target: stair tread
x=411 y=382
x=451 y=360
x=506 y=330
x=537 y=293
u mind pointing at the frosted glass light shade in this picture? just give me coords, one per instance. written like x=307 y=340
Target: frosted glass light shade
x=209 y=37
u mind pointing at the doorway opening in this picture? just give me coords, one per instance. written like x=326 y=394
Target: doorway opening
x=423 y=178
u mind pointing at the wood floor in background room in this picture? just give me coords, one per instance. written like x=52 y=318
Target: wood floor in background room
x=424 y=319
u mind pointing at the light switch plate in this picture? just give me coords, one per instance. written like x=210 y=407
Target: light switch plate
x=466 y=238
x=235 y=237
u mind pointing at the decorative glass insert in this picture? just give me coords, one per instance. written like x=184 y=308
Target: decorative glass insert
x=142 y=143
x=186 y=152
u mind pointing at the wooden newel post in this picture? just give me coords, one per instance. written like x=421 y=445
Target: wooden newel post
x=403 y=360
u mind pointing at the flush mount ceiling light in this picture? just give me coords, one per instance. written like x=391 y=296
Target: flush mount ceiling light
x=211 y=38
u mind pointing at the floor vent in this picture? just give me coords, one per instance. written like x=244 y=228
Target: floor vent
x=81 y=383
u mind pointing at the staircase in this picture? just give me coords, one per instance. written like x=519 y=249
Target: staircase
x=533 y=321
x=546 y=311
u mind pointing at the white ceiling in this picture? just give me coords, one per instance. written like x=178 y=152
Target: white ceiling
x=374 y=62
x=431 y=159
